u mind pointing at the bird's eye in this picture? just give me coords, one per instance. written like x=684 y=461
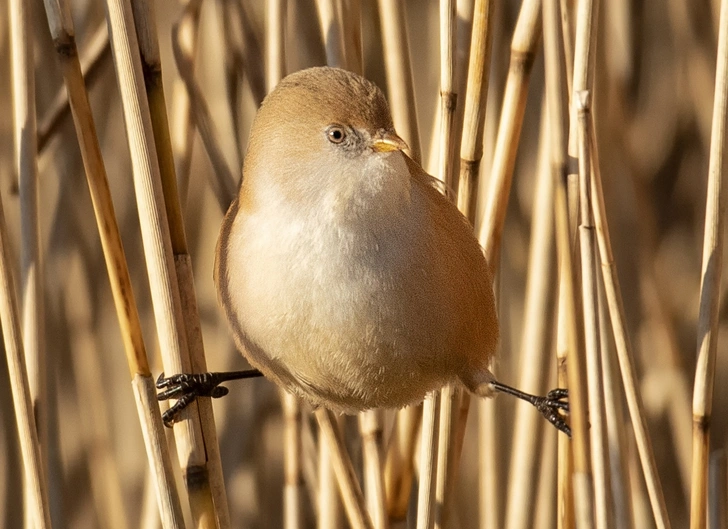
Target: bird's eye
x=335 y=134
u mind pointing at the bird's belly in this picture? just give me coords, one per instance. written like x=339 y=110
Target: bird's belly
x=351 y=337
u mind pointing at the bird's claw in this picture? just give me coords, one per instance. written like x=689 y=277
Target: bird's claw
x=186 y=388
x=554 y=406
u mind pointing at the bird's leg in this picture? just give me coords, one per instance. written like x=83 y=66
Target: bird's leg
x=551 y=406
x=187 y=387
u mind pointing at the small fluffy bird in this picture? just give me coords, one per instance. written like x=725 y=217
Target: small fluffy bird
x=346 y=277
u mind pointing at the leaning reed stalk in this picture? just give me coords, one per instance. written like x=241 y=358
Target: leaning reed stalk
x=351 y=24
x=151 y=64
x=574 y=474
x=428 y=461
x=625 y=354
x=476 y=95
x=535 y=342
x=61 y=26
x=710 y=279
x=34 y=482
x=398 y=68
x=717 y=516
x=523 y=52
x=399 y=463
x=329 y=499
x=31 y=264
x=595 y=389
x=450 y=396
x=166 y=296
x=93 y=58
x=92 y=399
x=330 y=19
x=349 y=488
x=27 y=371
x=370 y=426
x=222 y=177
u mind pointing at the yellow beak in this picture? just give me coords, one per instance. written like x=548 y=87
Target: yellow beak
x=387 y=141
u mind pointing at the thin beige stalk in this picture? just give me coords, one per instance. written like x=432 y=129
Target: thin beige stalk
x=398 y=67
x=523 y=52
x=151 y=63
x=545 y=505
x=536 y=343
x=717 y=515
x=488 y=472
x=370 y=427
x=95 y=55
x=351 y=23
x=595 y=390
x=329 y=500
x=93 y=402
x=292 y=454
x=223 y=177
x=349 y=487
x=624 y=350
x=330 y=19
x=275 y=64
x=35 y=486
x=450 y=396
x=710 y=280
x=31 y=263
x=428 y=461
x=471 y=146
x=61 y=26
x=574 y=474
x=616 y=425
x=399 y=466
x=168 y=307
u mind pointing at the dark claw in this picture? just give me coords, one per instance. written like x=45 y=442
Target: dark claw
x=550 y=405
x=187 y=387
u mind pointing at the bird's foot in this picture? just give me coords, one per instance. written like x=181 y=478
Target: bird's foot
x=554 y=406
x=186 y=387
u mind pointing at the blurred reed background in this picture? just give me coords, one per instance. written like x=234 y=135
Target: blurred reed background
x=641 y=76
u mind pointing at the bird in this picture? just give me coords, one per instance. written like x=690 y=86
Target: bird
x=345 y=275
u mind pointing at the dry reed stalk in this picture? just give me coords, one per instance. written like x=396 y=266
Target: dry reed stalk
x=428 y=461
x=476 y=93
x=223 y=177
x=399 y=466
x=523 y=51
x=589 y=290
x=536 y=342
x=31 y=259
x=370 y=426
x=61 y=26
x=292 y=454
x=275 y=42
x=450 y=397
x=151 y=63
x=351 y=494
x=398 y=67
x=624 y=349
x=351 y=24
x=195 y=459
x=329 y=500
x=615 y=423
x=251 y=52
x=182 y=126
x=717 y=515
x=488 y=471
x=710 y=281
x=92 y=397
x=574 y=469
x=545 y=503
x=27 y=372
x=95 y=55
x=330 y=19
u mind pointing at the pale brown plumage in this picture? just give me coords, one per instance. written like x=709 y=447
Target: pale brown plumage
x=345 y=276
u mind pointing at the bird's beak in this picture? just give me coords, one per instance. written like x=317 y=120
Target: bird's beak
x=387 y=141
